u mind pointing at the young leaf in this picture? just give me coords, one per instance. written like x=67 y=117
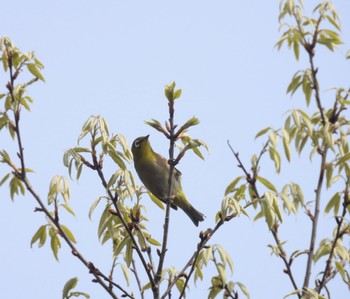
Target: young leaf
x=70 y=284
x=266 y=183
x=39 y=235
x=243 y=289
x=333 y=203
x=55 y=245
x=275 y=156
x=126 y=273
x=232 y=185
x=35 y=72
x=68 y=233
x=262 y=132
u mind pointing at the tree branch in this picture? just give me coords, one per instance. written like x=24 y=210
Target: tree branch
x=22 y=175
x=310 y=50
x=338 y=235
x=98 y=167
x=251 y=179
x=168 y=202
x=315 y=218
x=205 y=237
x=134 y=270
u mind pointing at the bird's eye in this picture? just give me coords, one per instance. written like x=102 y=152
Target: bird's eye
x=137 y=143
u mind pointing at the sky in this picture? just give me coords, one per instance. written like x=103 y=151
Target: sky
x=113 y=58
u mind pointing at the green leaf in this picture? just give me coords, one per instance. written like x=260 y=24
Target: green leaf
x=198 y=152
x=70 y=284
x=120 y=246
x=231 y=187
x=55 y=245
x=35 y=72
x=296 y=118
x=329 y=175
x=177 y=94
x=333 y=203
x=180 y=284
x=276 y=207
x=296 y=49
x=294 y=84
x=197 y=274
x=258 y=215
x=68 y=233
x=340 y=268
x=275 y=156
x=39 y=235
x=153 y=242
x=214 y=291
x=222 y=272
x=38 y=63
x=323 y=249
x=115 y=157
x=267 y=209
x=266 y=183
x=24 y=103
x=169 y=91
x=333 y=22
x=262 y=132
x=155 y=124
x=191 y=122
x=286 y=146
x=273 y=138
x=243 y=289
x=146 y=286
x=94 y=205
x=295 y=292
x=126 y=273
x=68 y=209
x=105 y=221
x=4 y=179
x=287 y=204
x=128 y=253
x=343 y=159
x=77 y=294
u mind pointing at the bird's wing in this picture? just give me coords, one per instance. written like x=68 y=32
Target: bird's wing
x=177 y=174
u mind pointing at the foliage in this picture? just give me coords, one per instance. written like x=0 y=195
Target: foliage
x=123 y=221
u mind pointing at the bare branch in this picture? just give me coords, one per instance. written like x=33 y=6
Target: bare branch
x=134 y=270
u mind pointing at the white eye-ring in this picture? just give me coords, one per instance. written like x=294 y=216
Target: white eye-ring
x=137 y=143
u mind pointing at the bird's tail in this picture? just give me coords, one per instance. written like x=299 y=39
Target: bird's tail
x=194 y=215
x=181 y=201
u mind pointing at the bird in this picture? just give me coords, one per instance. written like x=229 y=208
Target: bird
x=153 y=170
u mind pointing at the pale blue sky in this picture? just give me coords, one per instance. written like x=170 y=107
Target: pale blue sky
x=113 y=58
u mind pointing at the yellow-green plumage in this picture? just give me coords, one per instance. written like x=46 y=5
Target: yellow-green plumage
x=153 y=170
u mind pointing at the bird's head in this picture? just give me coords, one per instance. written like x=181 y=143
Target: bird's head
x=141 y=147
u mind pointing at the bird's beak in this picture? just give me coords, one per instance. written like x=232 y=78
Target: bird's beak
x=146 y=137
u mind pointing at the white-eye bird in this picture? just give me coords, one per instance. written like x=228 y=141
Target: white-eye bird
x=153 y=170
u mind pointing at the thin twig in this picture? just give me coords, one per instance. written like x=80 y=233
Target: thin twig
x=147 y=249
x=168 y=202
x=134 y=270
